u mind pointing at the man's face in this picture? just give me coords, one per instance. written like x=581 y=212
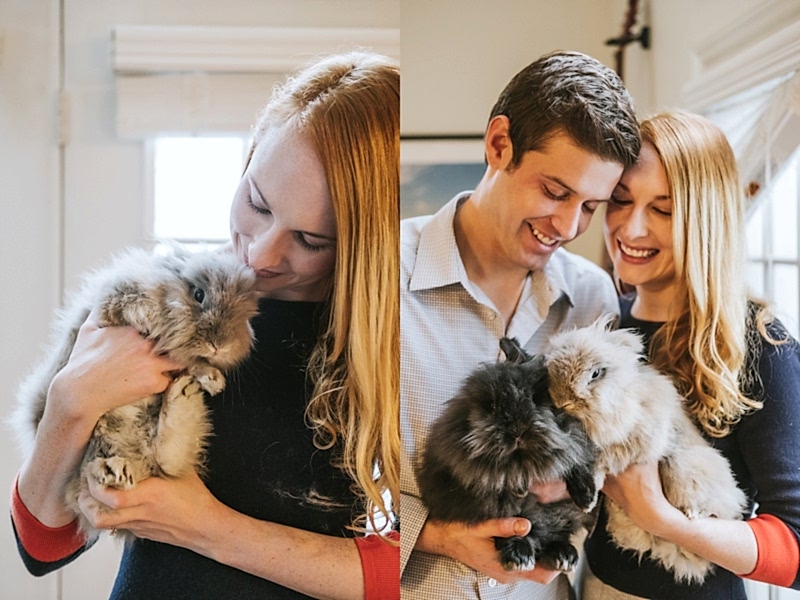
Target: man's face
x=547 y=200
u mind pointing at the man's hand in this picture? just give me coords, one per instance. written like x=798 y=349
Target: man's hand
x=474 y=546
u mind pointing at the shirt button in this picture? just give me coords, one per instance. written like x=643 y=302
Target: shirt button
x=492 y=582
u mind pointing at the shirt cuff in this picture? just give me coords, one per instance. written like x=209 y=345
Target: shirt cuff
x=778 y=551
x=380 y=562
x=43 y=543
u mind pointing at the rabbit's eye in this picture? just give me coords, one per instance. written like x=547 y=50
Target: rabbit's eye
x=598 y=373
x=199 y=295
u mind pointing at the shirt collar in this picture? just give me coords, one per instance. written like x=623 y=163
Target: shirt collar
x=439 y=262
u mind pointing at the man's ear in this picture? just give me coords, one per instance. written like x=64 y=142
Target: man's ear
x=497 y=143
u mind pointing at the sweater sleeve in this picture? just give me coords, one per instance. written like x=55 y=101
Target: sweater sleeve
x=380 y=562
x=778 y=551
x=43 y=549
x=769 y=443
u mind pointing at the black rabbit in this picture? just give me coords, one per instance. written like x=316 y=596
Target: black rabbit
x=496 y=438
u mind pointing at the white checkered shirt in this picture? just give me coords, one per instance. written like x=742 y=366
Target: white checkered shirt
x=448 y=326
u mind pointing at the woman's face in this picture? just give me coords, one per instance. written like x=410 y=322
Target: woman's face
x=282 y=221
x=638 y=225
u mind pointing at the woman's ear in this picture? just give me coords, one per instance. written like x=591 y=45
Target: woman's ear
x=497 y=143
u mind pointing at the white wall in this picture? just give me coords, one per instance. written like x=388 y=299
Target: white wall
x=28 y=217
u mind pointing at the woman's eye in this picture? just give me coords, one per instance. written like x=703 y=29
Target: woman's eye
x=619 y=201
x=305 y=243
x=199 y=295
x=259 y=209
x=663 y=212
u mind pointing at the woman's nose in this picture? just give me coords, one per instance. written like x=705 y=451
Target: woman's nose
x=266 y=250
x=635 y=226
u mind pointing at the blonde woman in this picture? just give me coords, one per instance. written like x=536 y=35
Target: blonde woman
x=675 y=232
x=305 y=445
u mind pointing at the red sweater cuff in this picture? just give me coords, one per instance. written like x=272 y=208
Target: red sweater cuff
x=380 y=562
x=43 y=543
x=778 y=551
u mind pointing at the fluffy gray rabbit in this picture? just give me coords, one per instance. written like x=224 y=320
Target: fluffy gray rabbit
x=496 y=438
x=634 y=414
x=196 y=307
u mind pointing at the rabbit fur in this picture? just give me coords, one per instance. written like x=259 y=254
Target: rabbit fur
x=634 y=414
x=196 y=307
x=496 y=437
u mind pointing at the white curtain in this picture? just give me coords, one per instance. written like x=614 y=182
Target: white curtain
x=748 y=83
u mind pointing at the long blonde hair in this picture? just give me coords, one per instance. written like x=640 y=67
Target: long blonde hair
x=348 y=106
x=710 y=340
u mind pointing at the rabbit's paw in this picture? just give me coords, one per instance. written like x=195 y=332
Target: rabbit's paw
x=185 y=385
x=516 y=553
x=560 y=556
x=112 y=472
x=583 y=492
x=210 y=378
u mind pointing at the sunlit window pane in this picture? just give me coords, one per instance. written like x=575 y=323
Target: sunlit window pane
x=784 y=213
x=755 y=233
x=787 y=296
x=194 y=182
x=755 y=278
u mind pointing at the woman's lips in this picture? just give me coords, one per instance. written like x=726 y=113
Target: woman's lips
x=636 y=253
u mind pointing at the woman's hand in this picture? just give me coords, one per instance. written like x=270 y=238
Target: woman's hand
x=473 y=545
x=639 y=493
x=183 y=512
x=109 y=367
x=158 y=509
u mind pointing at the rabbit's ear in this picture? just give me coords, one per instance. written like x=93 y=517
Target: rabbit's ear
x=513 y=351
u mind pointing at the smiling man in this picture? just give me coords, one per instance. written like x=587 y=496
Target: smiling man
x=490 y=264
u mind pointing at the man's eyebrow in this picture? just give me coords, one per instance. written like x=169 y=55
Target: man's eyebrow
x=560 y=182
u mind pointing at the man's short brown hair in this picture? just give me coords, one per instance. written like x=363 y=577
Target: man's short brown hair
x=572 y=93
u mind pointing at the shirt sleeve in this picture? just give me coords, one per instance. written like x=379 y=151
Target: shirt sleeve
x=43 y=549
x=778 y=551
x=769 y=443
x=380 y=562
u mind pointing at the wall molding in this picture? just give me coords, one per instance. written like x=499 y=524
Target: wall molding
x=758 y=46
x=140 y=49
x=175 y=80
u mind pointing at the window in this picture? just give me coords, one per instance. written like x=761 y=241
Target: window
x=194 y=180
x=774 y=246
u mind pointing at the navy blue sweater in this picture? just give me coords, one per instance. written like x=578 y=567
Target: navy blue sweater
x=261 y=462
x=764 y=453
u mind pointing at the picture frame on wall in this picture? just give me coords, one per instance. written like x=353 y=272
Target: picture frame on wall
x=433 y=169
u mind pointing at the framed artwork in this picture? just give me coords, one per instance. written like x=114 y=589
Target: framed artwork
x=434 y=169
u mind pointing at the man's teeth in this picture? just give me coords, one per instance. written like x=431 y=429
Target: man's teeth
x=547 y=241
x=637 y=253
